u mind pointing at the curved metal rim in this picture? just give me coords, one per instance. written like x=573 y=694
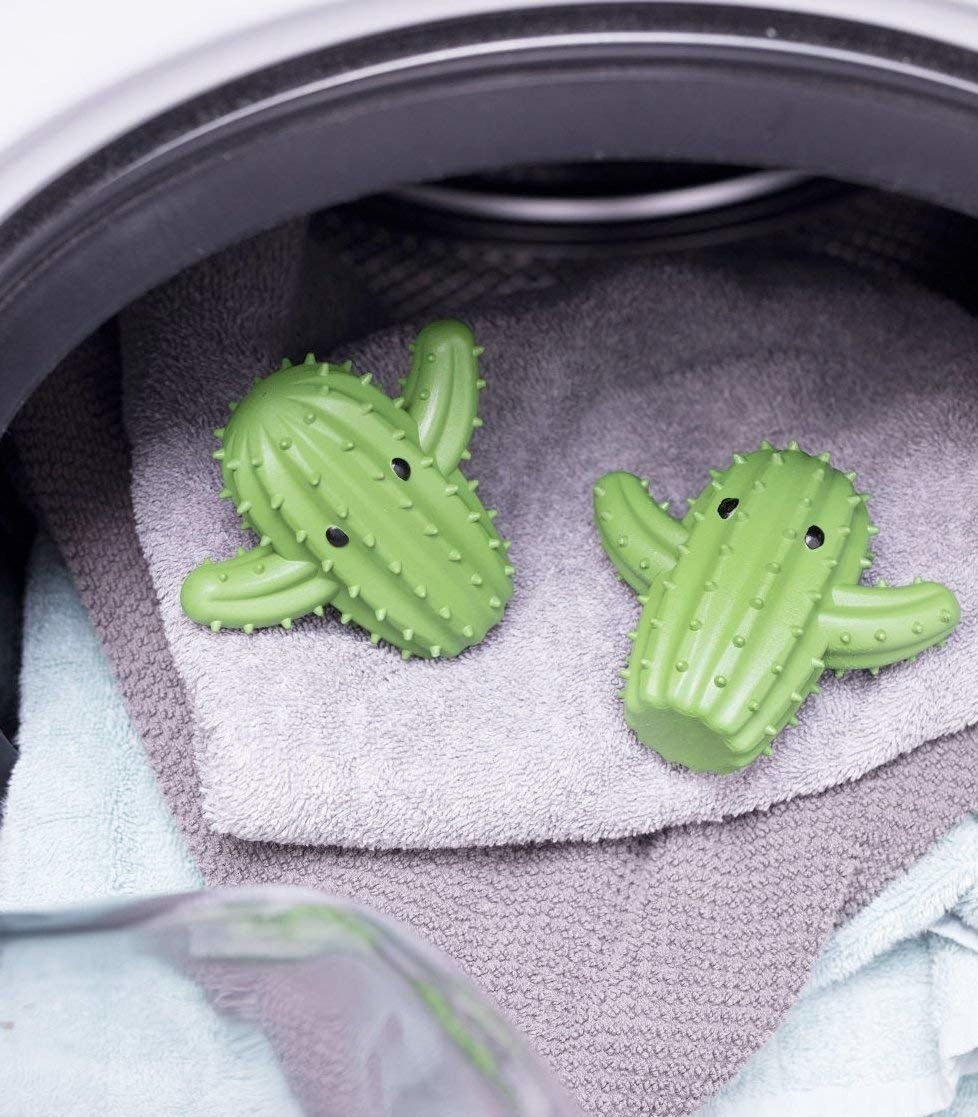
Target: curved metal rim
x=653 y=205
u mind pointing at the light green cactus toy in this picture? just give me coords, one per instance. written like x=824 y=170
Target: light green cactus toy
x=359 y=502
x=749 y=599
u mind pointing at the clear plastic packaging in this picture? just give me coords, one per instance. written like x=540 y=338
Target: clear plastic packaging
x=257 y=1001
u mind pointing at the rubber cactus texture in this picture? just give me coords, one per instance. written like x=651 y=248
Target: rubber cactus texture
x=749 y=599
x=359 y=502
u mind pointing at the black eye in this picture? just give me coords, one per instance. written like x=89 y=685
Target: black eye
x=726 y=507
x=401 y=468
x=337 y=536
x=814 y=537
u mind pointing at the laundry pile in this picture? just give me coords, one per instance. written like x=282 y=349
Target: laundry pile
x=666 y=941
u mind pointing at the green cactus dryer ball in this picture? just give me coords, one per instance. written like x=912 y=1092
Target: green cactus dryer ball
x=359 y=503
x=749 y=599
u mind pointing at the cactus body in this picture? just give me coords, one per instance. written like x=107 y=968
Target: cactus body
x=358 y=502
x=749 y=599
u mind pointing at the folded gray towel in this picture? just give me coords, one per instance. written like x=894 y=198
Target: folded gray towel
x=663 y=369
x=646 y=971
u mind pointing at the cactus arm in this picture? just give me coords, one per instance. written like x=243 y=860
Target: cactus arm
x=441 y=393
x=872 y=626
x=639 y=536
x=255 y=589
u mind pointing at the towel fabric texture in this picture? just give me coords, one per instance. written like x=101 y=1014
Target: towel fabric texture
x=85 y=820
x=886 y=1023
x=902 y=973
x=645 y=971
x=84 y=817
x=663 y=369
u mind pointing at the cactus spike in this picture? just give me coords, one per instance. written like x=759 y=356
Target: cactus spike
x=765 y=445
x=825 y=456
x=286 y=363
x=793 y=445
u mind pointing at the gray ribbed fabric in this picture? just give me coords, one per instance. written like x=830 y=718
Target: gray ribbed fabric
x=645 y=971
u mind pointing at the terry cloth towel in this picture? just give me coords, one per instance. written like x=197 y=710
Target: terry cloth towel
x=876 y=969
x=84 y=819
x=645 y=971
x=886 y=1024
x=662 y=369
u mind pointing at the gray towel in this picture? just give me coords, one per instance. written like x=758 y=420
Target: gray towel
x=645 y=971
x=663 y=369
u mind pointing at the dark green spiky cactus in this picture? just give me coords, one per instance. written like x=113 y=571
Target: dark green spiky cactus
x=359 y=502
x=749 y=599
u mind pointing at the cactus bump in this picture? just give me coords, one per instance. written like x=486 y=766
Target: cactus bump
x=749 y=599
x=359 y=503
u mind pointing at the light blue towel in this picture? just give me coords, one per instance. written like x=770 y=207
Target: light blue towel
x=888 y=1022
x=886 y=1025
x=85 y=820
x=84 y=817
